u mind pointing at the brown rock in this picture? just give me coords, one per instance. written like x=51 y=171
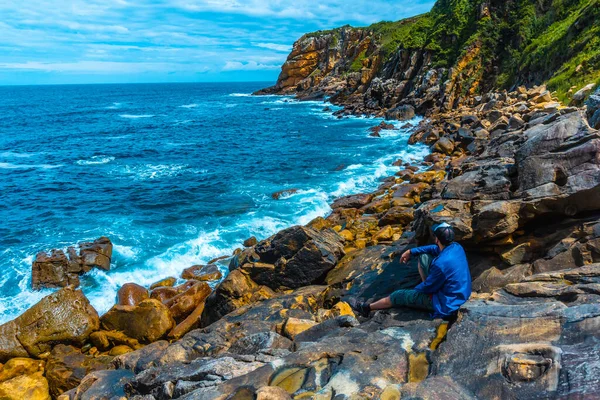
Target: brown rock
x=96 y=254
x=251 y=241
x=443 y=145
x=30 y=387
x=147 y=322
x=384 y=234
x=284 y=193
x=56 y=270
x=119 y=350
x=51 y=270
x=295 y=326
x=353 y=201
x=20 y=366
x=65 y=316
x=9 y=344
x=377 y=206
x=104 y=340
x=428 y=177
x=67 y=366
x=131 y=294
x=167 y=282
x=183 y=304
x=397 y=216
x=192 y=321
x=202 y=273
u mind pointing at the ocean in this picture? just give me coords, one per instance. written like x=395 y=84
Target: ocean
x=173 y=174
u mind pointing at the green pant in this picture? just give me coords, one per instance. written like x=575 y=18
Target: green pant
x=410 y=297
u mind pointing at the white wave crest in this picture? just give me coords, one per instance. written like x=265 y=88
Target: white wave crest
x=194 y=105
x=132 y=116
x=28 y=166
x=11 y=154
x=96 y=160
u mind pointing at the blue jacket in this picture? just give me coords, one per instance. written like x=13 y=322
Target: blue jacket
x=449 y=279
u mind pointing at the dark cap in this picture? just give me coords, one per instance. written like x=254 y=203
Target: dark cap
x=444 y=233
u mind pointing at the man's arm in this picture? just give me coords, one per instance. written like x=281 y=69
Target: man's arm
x=434 y=282
x=432 y=249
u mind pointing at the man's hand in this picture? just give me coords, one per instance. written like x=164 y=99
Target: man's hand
x=405 y=257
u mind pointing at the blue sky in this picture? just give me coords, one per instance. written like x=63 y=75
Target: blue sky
x=102 y=41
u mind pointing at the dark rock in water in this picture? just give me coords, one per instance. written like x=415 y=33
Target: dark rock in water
x=251 y=241
x=353 y=201
x=401 y=113
x=67 y=366
x=131 y=294
x=96 y=254
x=56 y=270
x=340 y=167
x=283 y=193
x=374 y=134
x=326 y=109
x=52 y=270
x=62 y=317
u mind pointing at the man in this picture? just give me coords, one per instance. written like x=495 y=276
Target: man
x=445 y=275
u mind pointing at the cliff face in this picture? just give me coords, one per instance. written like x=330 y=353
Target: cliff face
x=444 y=58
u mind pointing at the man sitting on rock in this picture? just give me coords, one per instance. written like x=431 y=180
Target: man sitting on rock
x=445 y=274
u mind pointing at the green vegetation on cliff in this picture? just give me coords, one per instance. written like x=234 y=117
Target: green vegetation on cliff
x=517 y=42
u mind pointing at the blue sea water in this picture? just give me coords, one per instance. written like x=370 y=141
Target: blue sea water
x=174 y=174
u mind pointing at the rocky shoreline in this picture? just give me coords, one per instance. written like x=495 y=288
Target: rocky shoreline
x=518 y=176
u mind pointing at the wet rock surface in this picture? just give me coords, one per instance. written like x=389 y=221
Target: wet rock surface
x=58 y=269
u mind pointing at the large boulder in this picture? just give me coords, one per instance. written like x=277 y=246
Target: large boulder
x=131 y=294
x=58 y=270
x=295 y=257
x=147 y=322
x=64 y=317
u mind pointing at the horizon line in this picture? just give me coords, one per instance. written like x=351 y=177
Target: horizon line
x=123 y=83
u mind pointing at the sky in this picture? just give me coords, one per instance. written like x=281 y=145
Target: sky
x=133 y=41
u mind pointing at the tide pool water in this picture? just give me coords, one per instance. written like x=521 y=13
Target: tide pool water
x=173 y=174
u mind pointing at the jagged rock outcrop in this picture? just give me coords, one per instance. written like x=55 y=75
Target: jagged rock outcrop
x=295 y=257
x=58 y=269
x=64 y=317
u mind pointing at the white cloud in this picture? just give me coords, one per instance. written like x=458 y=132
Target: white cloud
x=102 y=67
x=248 y=66
x=274 y=46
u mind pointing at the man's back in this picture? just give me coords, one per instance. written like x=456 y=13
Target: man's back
x=449 y=280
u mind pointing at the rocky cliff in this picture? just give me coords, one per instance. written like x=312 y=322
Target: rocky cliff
x=444 y=58
x=515 y=172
